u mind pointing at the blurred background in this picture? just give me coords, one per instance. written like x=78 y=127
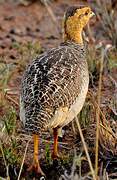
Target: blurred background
x=28 y=28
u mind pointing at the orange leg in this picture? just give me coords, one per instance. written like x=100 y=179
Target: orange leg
x=35 y=165
x=55 y=149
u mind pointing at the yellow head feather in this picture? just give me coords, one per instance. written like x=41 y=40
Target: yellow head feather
x=75 y=22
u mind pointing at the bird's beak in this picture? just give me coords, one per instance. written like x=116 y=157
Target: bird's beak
x=92 y=14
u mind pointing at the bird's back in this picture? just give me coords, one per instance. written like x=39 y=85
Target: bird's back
x=54 y=80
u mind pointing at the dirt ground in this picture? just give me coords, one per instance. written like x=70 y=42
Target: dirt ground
x=20 y=25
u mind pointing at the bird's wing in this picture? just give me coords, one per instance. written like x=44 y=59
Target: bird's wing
x=50 y=83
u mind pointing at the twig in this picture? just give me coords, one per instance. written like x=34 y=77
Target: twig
x=50 y=12
x=53 y=17
x=98 y=2
x=103 y=116
x=23 y=160
x=1 y=178
x=85 y=148
x=7 y=171
x=113 y=80
x=108 y=131
x=97 y=106
x=98 y=113
x=90 y=34
x=11 y=99
x=11 y=92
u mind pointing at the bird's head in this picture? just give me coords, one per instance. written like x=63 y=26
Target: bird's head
x=75 y=19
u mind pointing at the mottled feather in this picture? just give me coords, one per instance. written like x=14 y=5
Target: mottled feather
x=54 y=80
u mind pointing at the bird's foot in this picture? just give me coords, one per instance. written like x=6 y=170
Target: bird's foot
x=36 y=168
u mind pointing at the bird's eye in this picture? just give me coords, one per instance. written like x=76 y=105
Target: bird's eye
x=86 y=13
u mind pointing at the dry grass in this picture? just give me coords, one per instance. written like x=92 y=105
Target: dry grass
x=106 y=11
x=98 y=114
x=86 y=150
x=23 y=160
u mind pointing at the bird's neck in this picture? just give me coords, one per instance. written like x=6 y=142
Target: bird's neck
x=75 y=36
x=73 y=30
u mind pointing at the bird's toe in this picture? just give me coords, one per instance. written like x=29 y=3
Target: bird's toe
x=35 y=167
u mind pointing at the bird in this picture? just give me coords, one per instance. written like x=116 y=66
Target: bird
x=54 y=85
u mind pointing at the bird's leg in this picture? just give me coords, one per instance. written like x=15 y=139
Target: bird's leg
x=55 y=148
x=35 y=165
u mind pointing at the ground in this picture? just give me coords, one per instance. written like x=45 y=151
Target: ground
x=26 y=31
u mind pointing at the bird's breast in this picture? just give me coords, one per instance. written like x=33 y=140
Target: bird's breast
x=65 y=115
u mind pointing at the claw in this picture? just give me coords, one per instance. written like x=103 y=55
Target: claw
x=36 y=168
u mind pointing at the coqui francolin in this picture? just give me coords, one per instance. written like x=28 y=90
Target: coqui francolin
x=55 y=84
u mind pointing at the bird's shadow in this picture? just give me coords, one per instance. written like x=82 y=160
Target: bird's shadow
x=52 y=171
